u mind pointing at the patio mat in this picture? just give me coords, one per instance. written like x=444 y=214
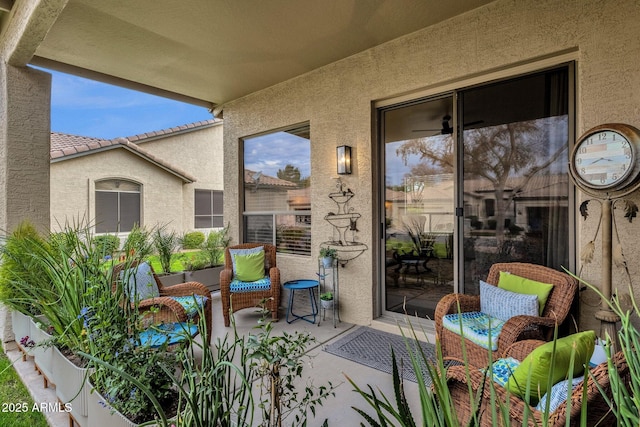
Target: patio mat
x=372 y=348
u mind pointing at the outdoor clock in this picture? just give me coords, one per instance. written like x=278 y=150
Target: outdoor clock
x=605 y=160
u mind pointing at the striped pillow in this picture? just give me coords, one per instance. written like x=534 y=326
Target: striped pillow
x=504 y=305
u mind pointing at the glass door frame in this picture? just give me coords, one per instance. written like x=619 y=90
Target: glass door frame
x=380 y=166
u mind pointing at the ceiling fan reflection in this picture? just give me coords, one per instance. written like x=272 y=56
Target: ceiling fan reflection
x=446 y=126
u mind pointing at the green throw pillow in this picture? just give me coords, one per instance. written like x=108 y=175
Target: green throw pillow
x=521 y=285
x=539 y=363
x=250 y=267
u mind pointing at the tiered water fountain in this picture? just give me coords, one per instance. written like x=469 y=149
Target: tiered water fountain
x=345 y=225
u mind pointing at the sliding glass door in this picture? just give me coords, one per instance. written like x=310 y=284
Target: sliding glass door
x=474 y=177
x=419 y=205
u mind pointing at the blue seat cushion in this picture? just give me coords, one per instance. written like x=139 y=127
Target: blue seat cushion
x=191 y=303
x=170 y=333
x=502 y=369
x=475 y=327
x=238 y=286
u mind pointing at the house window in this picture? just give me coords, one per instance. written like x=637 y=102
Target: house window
x=208 y=209
x=117 y=205
x=277 y=188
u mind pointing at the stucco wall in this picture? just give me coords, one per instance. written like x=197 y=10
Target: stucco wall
x=197 y=152
x=505 y=37
x=73 y=188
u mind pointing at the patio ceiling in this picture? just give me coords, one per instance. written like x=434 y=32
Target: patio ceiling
x=209 y=52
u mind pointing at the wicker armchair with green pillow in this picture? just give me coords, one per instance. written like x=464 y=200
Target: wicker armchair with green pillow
x=472 y=395
x=552 y=291
x=250 y=276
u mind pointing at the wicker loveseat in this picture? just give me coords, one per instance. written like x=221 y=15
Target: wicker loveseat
x=516 y=328
x=462 y=381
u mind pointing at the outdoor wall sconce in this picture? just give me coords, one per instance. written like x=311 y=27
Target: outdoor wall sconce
x=344 y=159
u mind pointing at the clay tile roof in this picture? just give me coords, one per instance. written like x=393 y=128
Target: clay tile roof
x=65 y=146
x=266 y=180
x=177 y=129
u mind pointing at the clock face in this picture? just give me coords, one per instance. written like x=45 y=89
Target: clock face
x=603 y=159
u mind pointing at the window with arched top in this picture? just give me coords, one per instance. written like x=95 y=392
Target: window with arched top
x=117 y=205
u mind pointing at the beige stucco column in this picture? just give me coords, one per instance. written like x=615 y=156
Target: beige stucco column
x=25 y=127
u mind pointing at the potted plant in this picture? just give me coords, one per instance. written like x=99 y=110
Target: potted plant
x=326 y=300
x=327 y=255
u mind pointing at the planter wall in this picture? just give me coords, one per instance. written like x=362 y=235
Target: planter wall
x=210 y=277
x=101 y=413
x=43 y=356
x=21 y=326
x=71 y=386
x=172 y=279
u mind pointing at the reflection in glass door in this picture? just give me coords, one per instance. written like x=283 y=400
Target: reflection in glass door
x=516 y=185
x=419 y=205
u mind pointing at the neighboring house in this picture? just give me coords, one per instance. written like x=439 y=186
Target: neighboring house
x=171 y=178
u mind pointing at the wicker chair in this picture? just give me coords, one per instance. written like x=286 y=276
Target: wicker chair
x=165 y=307
x=515 y=329
x=234 y=301
x=461 y=381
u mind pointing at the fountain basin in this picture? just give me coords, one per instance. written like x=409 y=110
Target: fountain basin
x=346 y=251
x=342 y=197
x=341 y=220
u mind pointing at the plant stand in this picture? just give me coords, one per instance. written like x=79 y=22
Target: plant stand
x=328 y=280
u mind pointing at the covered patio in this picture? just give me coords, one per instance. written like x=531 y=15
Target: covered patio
x=331 y=73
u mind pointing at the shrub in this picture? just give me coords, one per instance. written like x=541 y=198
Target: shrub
x=216 y=243
x=193 y=240
x=107 y=244
x=138 y=242
x=20 y=271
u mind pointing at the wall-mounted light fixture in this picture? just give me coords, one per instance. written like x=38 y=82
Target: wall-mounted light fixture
x=344 y=159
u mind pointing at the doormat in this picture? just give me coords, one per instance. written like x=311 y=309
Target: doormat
x=372 y=348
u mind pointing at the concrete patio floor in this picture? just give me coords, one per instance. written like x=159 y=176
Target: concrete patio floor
x=323 y=367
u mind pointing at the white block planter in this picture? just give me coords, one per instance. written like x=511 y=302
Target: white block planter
x=43 y=355
x=101 y=413
x=21 y=326
x=71 y=386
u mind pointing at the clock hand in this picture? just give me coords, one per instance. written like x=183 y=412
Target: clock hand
x=601 y=158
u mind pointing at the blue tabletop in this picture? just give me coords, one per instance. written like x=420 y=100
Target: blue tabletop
x=301 y=284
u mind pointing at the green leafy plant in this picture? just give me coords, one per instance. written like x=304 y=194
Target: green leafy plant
x=328 y=253
x=437 y=408
x=166 y=244
x=326 y=296
x=215 y=245
x=278 y=361
x=21 y=274
x=138 y=243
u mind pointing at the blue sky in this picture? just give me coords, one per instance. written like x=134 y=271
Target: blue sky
x=89 y=108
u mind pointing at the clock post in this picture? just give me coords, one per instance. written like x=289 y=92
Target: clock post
x=608 y=319
x=605 y=163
